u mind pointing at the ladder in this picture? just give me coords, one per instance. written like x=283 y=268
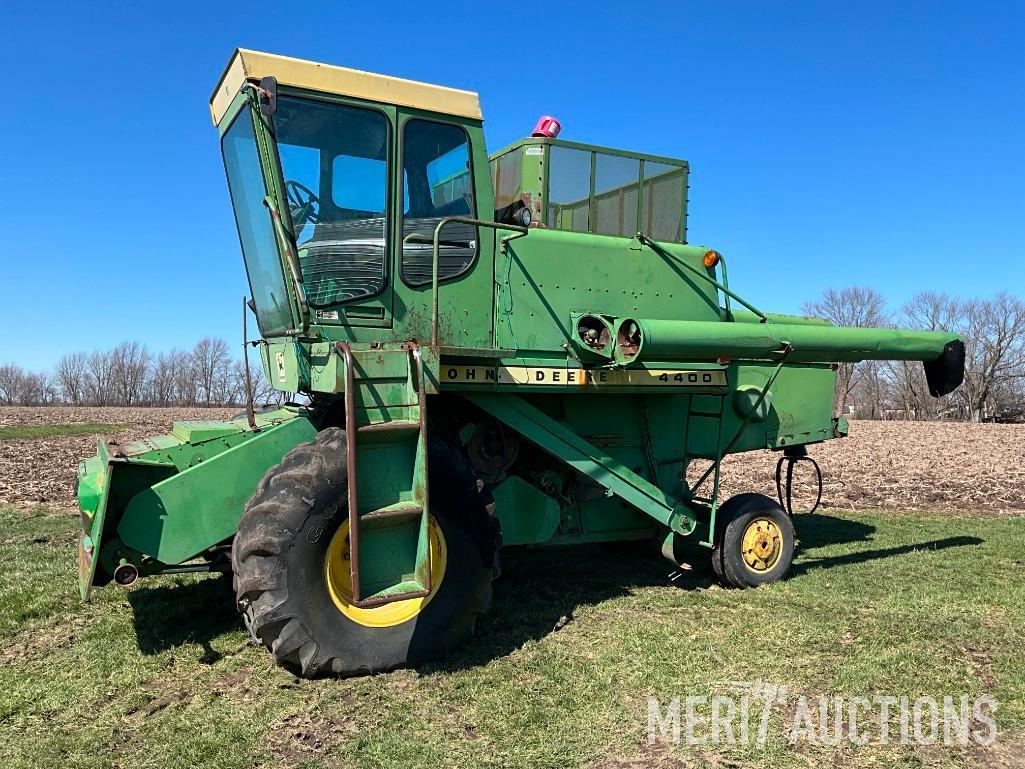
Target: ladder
x=387 y=423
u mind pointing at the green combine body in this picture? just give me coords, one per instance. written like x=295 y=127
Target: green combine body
x=521 y=350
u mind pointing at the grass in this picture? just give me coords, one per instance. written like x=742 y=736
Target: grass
x=558 y=674
x=33 y=432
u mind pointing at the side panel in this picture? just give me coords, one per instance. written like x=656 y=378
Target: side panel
x=797 y=410
x=527 y=515
x=549 y=275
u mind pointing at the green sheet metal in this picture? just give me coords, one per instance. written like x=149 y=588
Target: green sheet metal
x=205 y=429
x=93 y=483
x=528 y=515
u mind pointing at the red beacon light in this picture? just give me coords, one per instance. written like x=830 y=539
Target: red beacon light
x=547 y=127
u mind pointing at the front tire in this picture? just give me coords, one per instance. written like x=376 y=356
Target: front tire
x=292 y=526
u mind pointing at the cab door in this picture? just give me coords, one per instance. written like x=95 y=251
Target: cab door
x=443 y=172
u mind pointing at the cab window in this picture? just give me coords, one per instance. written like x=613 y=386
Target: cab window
x=334 y=161
x=437 y=183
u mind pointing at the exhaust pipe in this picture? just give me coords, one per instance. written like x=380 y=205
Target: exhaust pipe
x=126 y=574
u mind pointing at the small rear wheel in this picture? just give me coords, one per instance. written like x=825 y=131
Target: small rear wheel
x=754 y=542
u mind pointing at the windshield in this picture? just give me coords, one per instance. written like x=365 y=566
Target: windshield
x=255 y=231
x=334 y=165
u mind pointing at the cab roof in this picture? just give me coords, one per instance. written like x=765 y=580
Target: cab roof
x=253 y=65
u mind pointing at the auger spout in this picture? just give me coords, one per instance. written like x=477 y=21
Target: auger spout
x=670 y=340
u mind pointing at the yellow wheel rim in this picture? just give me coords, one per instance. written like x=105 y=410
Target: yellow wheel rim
x=339 y=582
x=762 y=544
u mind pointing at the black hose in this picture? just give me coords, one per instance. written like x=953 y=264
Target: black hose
x=787 y=501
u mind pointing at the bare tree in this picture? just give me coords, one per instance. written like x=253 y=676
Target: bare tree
x=907 y=390
x=263 y=393
x=11 y=382
x=211 y=365
x=934 y=311
x=993 y=331
x=49 y=390
x=166 y=376
x=71 y=377
x=854 y=306
x=994 y=352
x=129 y=365
x=33 y=387
x=129 y=375
x=98 y=379
x=238 y=380
x=185 y=385
x=260 y=389
x=868 y=389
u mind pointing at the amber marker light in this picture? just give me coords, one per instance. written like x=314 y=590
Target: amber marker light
x=711 y=259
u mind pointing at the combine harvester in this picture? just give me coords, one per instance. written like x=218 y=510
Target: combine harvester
x=514 y=350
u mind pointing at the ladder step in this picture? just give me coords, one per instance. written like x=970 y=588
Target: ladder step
x=395 y=425
x=402 y=510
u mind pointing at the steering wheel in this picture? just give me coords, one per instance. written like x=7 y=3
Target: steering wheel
x=303 y=204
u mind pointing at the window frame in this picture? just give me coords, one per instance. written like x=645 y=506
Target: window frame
x=400 y=176
x=389 y=180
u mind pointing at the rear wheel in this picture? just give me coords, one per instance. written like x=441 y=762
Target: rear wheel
x=292 y=584
x=754 y=542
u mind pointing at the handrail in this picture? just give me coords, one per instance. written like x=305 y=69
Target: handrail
x=436 y=241
x=350 y=467
x=721 y=286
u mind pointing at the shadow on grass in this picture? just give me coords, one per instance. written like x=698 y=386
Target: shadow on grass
x=542 y=589
x=167 y=616
x=818 y=530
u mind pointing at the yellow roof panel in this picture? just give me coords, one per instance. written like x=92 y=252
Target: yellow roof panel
x=253 y=65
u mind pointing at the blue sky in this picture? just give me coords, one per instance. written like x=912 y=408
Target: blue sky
x=878 y=144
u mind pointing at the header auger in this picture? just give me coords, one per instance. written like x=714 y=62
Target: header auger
x=521 y=349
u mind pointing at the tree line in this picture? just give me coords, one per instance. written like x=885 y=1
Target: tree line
x=131 y=375
x=993 y=331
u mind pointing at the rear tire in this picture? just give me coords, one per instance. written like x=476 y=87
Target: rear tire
x=280 y=573
x=754 y=542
